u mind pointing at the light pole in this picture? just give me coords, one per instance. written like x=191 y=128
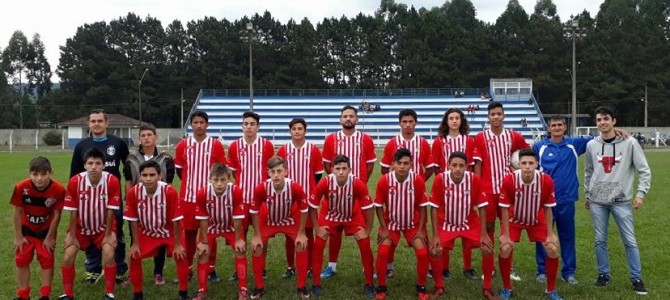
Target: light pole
x=250 y=32
x=574 y=32
x=646 y=101
x=139 y=92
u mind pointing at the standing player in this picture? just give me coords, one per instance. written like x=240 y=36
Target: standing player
x=149 y=151
x=38 y=202
x=455 y=195
x=193 y=158
x=116 y=153
x=526 y=199
x=401 y=209
x=92 y=197
x=248 y=158
x=154 y=216
x=360 y=150
x=306 y=168
x=279 y=206
x=346 y=206
x=494 y=147
x=221 y=203
x=453 y=136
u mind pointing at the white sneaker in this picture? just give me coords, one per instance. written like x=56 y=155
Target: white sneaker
x=514 y=276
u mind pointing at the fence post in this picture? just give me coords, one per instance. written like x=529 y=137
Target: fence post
x=37 y=139
x=11 y=142
x=658 y=136
x=62 y=140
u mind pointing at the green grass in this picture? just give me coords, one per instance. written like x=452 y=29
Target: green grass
x=651 y=224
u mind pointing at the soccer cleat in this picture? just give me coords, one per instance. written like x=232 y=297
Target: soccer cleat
x=446 y=273
x=243 y=294
x=489 y=294
x=570 y=279
x=44 y=298
x=159 y=280
x=138 y=296
x=514 y=276
x=202 y=294
x=437 y=293
x=303 y=293
x=109 y=296
x=369 y=290
x=183 y=295
x=316 y=290
x=91 y=277
x=603 y=280
x=553 y=295
x=422 y=293
x=505 y=294
x=265 y=275
x=65 y=297
x=256 y=293
x=471 y=274
x=541 y=278
x=213 y=277
x=288 y=274
x=380 y=292
x=328 y=272
x=233 y=277
x=638 y=287
x=390 y=273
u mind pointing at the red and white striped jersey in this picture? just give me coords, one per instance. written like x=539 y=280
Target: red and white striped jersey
x=495 y=152
x=340 y=203
x=279 y=208
x=303 y=163
x=418 y=146
x=526 y=202
x=358 y=147
x=402 y=200
x=195 y=159
x=92 y=202
x=220 y=211
x=456 y=202
x=250 y=163
x=155 y=214
x=444 y=146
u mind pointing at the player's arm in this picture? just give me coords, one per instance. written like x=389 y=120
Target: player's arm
x=436 y=200
x=71 y=238
x=314 y=203
x=238 y=217
x=381 y=196
x=178 y=251
x=50 y=239
x=504 y=204
x=259 y=198
x=420 y=197
x=19 y=239
x=134 y=250
x=370 y=166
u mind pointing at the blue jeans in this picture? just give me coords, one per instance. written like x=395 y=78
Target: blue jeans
x=623 y=217
x=93 y=261
x=564 y=218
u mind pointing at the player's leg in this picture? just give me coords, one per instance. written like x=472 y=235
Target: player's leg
x=213 y=252
x=422 y=261
x=109 y=264
x=505 y=262
x=23 y=258
x=446 y=258
x=120 y=249
x=564 y=214
x=334 y=246
x=46 y=260
x=381 y=264
x=68 y=272
x=159 y=266
x=289 y=246
x=258 y=265
x=363 y=242
x=317 y=255
x=468 y=271
x=203 y=271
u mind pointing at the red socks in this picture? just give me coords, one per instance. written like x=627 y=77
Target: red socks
x=488 y=265
x=241 y=269
x=136 y=274
x=212 y=254
x=258 y=264
x=317 y=259
x=23 y=293
x=422 y=261
x=182 y=273
x=505 y=270
x=110 y=278
x=301 y=271
x=467 y=257
x=436 y=263
x=203 y=270
x=45 y=291
x=289 y=245
x=380 y=265
x=68 y=274
x=334 y=246
x=552 y=268
x=366 y=258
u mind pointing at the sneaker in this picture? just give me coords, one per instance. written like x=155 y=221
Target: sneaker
x=603 y=280
x=422 y=293
x=390 y=273
x=183 y=295
x=288 y=274
x=159 y=280
x=243 y=294
x=213 y=277
x=541 y=278
x=327 y=273
x=233 y=277
x=514 y=276
x=638 y=287
x=369 y=290
x=505 y=294
x=109 y=296
x=437 y=293
x=65 y=297
x=446 y=273
x=471 y=274
x=202 y=294
x=256 y=294
x=380 y=293
x=553 y=295
x=91 y=277
x=570 y=279
x=489 y=294
x=316 y=290
x=265 y=275
x=138 y=296
x=302 y=293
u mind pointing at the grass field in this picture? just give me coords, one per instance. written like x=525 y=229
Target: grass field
x=651 y=225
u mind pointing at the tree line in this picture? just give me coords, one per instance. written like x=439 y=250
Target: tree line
x=625 y=47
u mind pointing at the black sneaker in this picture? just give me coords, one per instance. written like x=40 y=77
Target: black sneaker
x=316 y=291
x=471 y=274
x=638 y=287
x=265 y=274
x=446 y=273
x=603 y=280
x=138 y=296
x=65 y=297
x=183 y=295
x=44 y=298
x=381 y=292
x=287 y=275
x=213 y=277
x=256 y=294
x=109 y=296
x=369 y=290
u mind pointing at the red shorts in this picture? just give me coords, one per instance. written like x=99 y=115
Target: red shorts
x=470 y=237
x=229 y=237
x=492 y=209
x=86 y=241
x=149 y=245
x=290 y=231
x=350 y=228
x=24 y=256
x=536 y=233
x=409 y=235
x=188 y=210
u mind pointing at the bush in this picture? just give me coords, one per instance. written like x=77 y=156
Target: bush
x=52 y=138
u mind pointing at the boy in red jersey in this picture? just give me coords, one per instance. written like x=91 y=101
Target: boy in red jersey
x=38 y=202
x=92 y=197
x=279 y=206
x=526 y=199
x=220 y=203
x=155 y=221
x=346 y=206
x=455 y=195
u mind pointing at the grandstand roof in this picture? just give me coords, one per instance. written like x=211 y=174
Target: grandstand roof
x=115 y=120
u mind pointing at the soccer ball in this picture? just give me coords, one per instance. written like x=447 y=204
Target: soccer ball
x=514 y=160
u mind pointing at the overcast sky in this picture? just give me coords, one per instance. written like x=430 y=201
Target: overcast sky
x=57 y=20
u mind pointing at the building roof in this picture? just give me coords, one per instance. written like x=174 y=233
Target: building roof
x=115 y=121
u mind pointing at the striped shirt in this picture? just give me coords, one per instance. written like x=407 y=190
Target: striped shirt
x=220 y=210
x=250 y=161
x=526 y=202
x=456 y=202
x=402 y=199
x=155 y=213
x=418 y=146
x=92 y=202
x=340 y=203
x=195 y=159
x=303 y=163
x=495 y=152
x=444 y=146
x=358 y=147
x=280 y=206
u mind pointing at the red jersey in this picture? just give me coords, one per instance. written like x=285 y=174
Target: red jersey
x=526 y=202
x=155 y=214
x=92 y=202
x=444 y=146
x=250 y=163
x=195 y=159
x=303 y=163
x=456 y=202
x=358 y=147
x=38 y=206
x=280 y=206
x=220 y=210
x=418 y=146
x=340 y=203
x=402 y=199
x=495 y=152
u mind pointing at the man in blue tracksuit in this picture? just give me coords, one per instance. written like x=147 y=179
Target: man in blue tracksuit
x=558 y=156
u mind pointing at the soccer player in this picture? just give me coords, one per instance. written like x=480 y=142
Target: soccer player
x=155 y=222
x=116 y=153
x=279 y=206
x=460 y=212
x=248 y=158
x=494 y=148
x=345 y=204
x=38 y=201
x=220 y=203
x=526 y=199
x=148 y=151
x=91 y=198
x=360 y=150
x=610 y=166
x=306 y=168
x=193 y=158
x=453 y=136
x=401 y=209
